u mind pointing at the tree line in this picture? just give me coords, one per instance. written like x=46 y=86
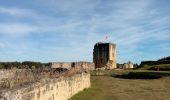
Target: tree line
x=165 y=60
x=23 y=65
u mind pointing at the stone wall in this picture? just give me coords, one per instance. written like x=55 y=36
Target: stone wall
x=61 y=88
x=6 y=73
x=128 y=66
x=69 y=65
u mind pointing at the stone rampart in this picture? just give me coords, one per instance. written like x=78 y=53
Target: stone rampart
x=69 y=65
x=6 y=73
x=61 y=88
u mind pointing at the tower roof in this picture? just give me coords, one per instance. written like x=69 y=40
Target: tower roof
x=103 y=43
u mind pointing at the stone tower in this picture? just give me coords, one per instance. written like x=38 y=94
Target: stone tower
x=104 y=55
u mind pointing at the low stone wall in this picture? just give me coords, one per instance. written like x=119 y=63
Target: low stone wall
x=69 y=65
x=49 y=89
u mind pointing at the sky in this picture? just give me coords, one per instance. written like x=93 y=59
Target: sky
x=66 y=30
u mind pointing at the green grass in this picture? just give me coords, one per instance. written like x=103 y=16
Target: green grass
x=106 y=87
x=163 y=65
x=152 y=67
x=145 y=67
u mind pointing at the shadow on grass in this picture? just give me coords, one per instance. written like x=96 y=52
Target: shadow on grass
x=142 y=75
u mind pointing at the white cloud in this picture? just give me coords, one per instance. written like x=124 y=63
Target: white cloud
x=81 y=24
x=2 y=45
x=15 y=11
x=16 y=29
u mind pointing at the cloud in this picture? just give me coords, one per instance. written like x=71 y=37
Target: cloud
x=2 y=45
x=68 y=30
x=16 y=29
x=130 y=26
x=14 y=11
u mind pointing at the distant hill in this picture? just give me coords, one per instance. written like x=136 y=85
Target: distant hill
x=23 y=65
x=165 y=59
x=160 y=64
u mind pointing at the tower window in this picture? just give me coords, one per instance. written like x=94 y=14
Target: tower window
x=101 y=60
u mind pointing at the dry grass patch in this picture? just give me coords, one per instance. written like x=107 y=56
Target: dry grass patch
x=106 y=87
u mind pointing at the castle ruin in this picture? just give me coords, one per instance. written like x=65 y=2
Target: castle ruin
x=104 y=56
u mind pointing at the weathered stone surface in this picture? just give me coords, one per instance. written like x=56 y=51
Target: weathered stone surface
x=104 y=56
x=6 y=73
x=128 y=65
x=1 y=98
x=69 y=65
x=61 y=88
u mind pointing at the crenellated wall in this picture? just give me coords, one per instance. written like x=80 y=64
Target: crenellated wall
x=61 y=88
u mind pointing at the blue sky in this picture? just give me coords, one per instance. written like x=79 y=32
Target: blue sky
x=66 y=30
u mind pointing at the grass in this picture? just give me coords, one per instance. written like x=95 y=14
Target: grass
x=106 y=87
x=145 y=67
x=162 y=67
